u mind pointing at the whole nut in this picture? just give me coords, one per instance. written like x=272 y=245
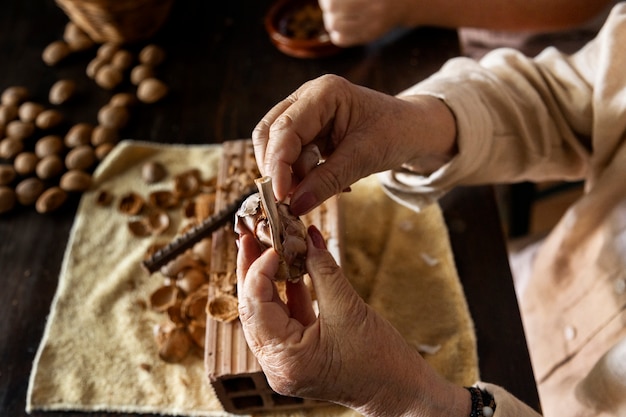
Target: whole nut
x=50 y=200
x=25 y=163
x=20 y=130
x=108 y=77
x=79 y=134
x=123 y=100
x=29 y=190
x=94 y=66
x=49 y=145
x=151 y=90
x=76 y=38
x=81 y=157
x=151 y=55
x=153 y=171
x=102 y=134
x=29 y=110
x=61 y=91
x=14 y=96
x=7 y=199
x=107 y=50
x=55 y=52
x=75 y=181
x=49 y=119
x=7 y=174
x=49 y=167
x=10 y=148
x=103 y=150
x=8 y=112
x=114 y=117
x=122 y=59
x=140 y=73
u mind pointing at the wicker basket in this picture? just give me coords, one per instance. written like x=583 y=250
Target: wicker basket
x=119 y=21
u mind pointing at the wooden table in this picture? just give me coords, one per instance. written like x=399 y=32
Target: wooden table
x=224 y=74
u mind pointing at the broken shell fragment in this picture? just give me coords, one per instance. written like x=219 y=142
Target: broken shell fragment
x=186 y=184
x=198 y=333
x=223 y=308
x=139 y=228
x=154 y=248
x=203 y=250
x=204 y=206
x=194 y=307
x=158 y=222
x=173 y=268
x=190 y=280
x=174 y=313
x=174 y=344
x=164 y=297
x=163 y=199
x=131 y=203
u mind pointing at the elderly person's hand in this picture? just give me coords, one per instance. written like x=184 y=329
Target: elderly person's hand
x=358 y=132
x=357 y=22
x=348 y=354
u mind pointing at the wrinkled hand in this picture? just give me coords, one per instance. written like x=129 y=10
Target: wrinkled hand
x=348 y=354
x=357 y=22
x=358 y=132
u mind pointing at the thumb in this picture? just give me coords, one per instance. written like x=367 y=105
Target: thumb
x=335 y=296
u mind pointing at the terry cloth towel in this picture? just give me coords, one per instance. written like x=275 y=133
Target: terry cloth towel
x=98 y=351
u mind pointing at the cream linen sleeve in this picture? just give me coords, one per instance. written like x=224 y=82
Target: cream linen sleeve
x=551 y=117
x=520 y=118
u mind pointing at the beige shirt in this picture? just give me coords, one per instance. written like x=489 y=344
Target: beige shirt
x=555 y=116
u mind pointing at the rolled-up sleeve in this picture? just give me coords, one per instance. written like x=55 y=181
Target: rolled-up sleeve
x=520 y=118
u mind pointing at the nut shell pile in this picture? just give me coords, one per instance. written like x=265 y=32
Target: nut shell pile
x=190 y=288
x=182 y=297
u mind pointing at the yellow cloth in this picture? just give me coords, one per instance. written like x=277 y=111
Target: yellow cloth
x=98 y=350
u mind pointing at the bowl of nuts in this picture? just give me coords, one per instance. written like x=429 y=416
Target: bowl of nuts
x=296 y=28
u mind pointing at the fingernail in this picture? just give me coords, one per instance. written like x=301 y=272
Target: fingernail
x=303 y=203
x=237 y=242
x=316 y=237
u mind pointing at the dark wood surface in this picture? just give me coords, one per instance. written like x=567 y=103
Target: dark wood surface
x=224 y=74
x=481 y=259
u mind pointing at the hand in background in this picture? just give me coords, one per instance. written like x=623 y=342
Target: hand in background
x=357 y=22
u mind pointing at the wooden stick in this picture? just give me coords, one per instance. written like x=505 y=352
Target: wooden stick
x=268 y=202
x=271 y=211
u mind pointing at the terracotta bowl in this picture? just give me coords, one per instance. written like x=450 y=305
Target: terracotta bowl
x=296 y=29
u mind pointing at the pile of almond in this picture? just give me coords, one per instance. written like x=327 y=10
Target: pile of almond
x=44 y=155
